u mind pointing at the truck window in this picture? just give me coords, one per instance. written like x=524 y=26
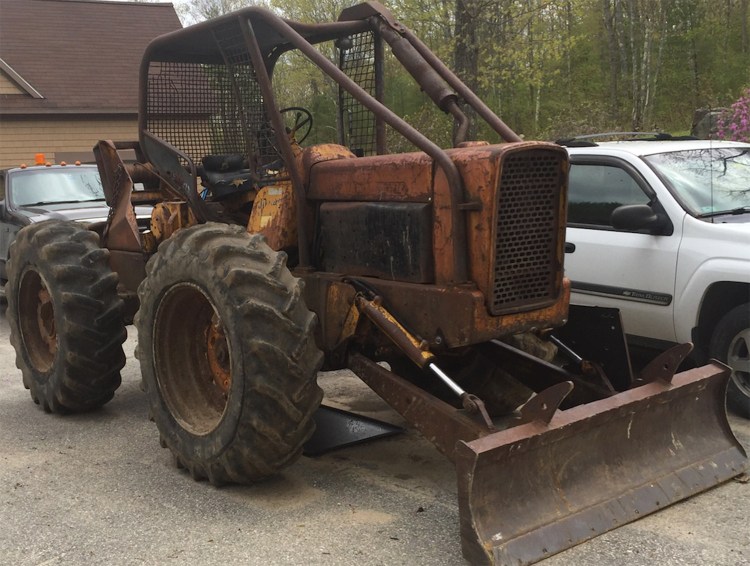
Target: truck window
x=596 y=190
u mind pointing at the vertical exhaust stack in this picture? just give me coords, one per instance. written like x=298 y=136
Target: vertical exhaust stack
x=539 y=488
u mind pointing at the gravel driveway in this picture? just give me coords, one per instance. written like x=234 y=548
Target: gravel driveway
x=97 y=489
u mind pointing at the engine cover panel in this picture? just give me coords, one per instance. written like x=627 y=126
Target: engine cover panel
x=389 y=240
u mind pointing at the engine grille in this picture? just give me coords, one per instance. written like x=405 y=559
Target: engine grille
x=527 y=273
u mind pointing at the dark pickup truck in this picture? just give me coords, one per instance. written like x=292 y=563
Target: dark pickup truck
x=34 y=194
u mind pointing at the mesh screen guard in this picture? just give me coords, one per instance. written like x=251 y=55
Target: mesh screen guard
x=526 y=269
x=357 y=122
x=218 y=108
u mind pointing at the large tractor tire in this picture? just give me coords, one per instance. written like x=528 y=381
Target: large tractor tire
x=65 y=317
x=227 y=353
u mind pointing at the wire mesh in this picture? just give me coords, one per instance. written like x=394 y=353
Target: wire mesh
x=358 y=123
x=211 y=109
x=217 y=108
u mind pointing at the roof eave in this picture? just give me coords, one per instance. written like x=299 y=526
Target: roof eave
x=19 y=80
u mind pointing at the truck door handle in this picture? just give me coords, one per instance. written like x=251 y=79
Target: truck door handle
x=570 y=247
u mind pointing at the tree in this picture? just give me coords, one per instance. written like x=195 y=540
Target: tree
x=549 y=67
x=200 y=10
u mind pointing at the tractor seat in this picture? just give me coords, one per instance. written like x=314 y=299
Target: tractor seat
x=226 y=175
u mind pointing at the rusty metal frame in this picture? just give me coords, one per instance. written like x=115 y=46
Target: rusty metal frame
x=165 y=156
x=282 y=140
x=465 y=92
x=595 y=467
x=439 y=422
x=429 y=72
x=302 y=37
x=460 y=271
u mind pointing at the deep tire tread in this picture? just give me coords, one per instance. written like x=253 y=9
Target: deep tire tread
x=88 y=314
x=271 y=328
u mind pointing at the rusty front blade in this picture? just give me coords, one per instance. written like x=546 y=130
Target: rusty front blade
x=535 y=489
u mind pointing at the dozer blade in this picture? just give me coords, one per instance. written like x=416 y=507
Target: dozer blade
x=535 y=489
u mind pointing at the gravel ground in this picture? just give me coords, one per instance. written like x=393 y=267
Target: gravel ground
x=97 y=489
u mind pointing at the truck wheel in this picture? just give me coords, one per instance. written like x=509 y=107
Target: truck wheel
x=65 y=317
x=731 y=344
x=227 y=353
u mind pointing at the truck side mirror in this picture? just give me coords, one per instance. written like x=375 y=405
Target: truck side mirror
x=636 y=217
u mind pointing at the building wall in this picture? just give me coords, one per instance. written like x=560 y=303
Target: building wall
x=22 y=139
x=9 y=87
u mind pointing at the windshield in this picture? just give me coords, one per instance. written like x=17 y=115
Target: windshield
x=707 y=181
x=50 y=186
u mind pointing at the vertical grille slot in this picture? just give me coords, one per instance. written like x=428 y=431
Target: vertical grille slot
x=526 y=270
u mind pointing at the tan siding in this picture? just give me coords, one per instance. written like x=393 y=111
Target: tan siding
x=7 y=86
x=21 y=140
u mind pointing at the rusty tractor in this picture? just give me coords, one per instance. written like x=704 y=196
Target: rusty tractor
x=266 y=260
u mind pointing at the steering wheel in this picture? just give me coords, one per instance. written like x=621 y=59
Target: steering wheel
x=303 y=121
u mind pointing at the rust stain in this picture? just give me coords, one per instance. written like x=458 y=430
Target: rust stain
x=446 y=316
x=403 y=178
x=166 y=219
x=274 y=215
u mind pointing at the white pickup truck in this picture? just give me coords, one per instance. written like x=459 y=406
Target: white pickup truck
x=661 y=230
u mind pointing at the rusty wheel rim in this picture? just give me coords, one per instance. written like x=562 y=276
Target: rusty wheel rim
x=217 y=350
x=192 y=358
x=37 y=319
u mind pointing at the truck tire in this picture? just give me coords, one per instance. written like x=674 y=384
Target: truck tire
x=65 y=317
x=227 y=353
x=730 y=344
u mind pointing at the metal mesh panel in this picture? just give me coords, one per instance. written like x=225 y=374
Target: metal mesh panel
x=358 y=62
x=526 y=270
x=205 y=109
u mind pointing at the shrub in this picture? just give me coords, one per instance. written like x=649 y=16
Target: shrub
x=734 y=124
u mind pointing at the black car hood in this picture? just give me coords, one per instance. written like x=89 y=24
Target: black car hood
x=76 y=211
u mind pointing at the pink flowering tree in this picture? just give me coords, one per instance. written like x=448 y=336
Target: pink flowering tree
x=734 y=124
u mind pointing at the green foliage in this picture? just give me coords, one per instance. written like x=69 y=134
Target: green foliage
x=550 y=68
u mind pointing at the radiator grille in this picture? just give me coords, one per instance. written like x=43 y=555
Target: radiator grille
x=526 y=271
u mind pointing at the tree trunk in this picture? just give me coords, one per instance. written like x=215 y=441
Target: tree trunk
x=608 y=15
x=743 y=19
x=466 y=51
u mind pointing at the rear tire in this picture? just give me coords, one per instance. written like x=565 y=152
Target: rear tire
x=731 y=344
x=65 y=317
x=227 y=354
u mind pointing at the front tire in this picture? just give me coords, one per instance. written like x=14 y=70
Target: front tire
x=227 y=354
x=731 y=344
x=65 y=317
